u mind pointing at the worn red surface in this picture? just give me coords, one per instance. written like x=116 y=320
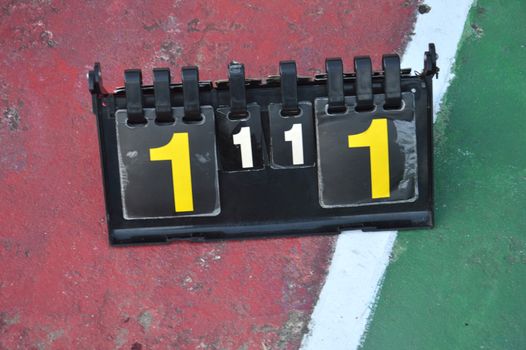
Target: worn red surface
x=61 y=285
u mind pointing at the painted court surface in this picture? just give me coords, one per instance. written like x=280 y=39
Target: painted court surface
x=461 y=285
x=61 y=285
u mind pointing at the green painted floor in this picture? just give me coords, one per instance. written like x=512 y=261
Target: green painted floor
x=463 y=284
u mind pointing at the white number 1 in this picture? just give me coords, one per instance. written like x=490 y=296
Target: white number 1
x=242 y=138
x=295 y=136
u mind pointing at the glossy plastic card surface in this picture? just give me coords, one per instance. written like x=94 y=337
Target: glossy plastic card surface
x=367 y=157
x=168 y=170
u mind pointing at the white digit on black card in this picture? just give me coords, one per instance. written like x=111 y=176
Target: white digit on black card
x=295 y=136
x=242 y=138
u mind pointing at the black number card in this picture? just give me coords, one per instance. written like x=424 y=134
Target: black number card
x=292 y=142
x=366 y=157
x=168 y=170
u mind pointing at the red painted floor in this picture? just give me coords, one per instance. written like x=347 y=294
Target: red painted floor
x=61 y=285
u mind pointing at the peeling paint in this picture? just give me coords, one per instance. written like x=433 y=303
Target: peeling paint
x=121 y=338
x=145 y=320
x=6 y=321
x=12 y=118
x=294 y=329
x=54 y=335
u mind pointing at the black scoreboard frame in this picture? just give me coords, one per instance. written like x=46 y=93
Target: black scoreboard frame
x=251 y=203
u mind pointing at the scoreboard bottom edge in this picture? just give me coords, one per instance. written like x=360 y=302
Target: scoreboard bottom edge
x=165 y=234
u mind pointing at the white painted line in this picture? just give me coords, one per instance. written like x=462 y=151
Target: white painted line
x=443 y=25
x=345 y=304
x=339 y=318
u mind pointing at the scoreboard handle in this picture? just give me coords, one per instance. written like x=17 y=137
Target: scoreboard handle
x=289 y=88
x=335 y=92
x=364 y=83
x=236 y=83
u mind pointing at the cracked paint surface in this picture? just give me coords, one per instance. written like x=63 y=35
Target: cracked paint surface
x=61 y=285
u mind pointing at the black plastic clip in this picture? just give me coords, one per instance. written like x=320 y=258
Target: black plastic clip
x=95 y=81
x=334 y=68
x=393 y=94
x=161 y=88
x=96 y=87
x=238 y=97
x=133 y=88
x=430 y=62
x=192 y=109
x=364 y=83
x=289 y=88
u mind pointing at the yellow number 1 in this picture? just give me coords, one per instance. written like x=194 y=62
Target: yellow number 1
x=375 y=137
x=178 y=152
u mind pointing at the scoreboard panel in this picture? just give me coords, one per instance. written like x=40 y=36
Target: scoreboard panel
x=287 y=155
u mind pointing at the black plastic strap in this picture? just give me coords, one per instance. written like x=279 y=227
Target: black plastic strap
x=95 y=81
x=391 y=67
x=364 y=82
x=289 y=88
x=334 y=68
x=161 y=89
x=192 y=109
x=133 y=88
x=430 y=62
x=238 y=97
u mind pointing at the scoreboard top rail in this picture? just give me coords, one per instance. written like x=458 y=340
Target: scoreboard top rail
x=286 y=155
